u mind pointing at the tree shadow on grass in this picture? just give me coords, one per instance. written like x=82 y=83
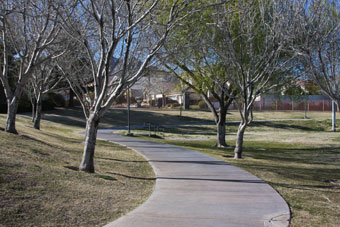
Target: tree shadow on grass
x=299 y=164
x=105 y=177
x=64 y=138
x=120 y=160
x=304 y=187
x=190 y=130
x=66 y=116
x=101 y=176
x=132 y=177
x=36 y=140
x=74 y=168
x=321 y=155
x=114 y=117
x=285 y=126
x=319 y=175
x=207 y=144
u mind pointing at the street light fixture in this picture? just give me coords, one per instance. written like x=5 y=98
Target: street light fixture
x=128 y=113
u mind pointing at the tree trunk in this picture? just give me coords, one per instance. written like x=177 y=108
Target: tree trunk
x=186 y=101
x=305 y=107
x=12 y=107
x=33 y=109
x=37 y=115
x=221 y=135
x=70 y=102
x=221 y=129
x=163 y=101
x=239 y=140
x=87 y=163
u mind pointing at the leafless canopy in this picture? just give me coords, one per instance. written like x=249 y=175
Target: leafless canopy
x=315 y=37
x=118 y=39
x=28 y=30
x=248 y=39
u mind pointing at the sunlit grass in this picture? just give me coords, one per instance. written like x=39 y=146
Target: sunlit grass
x=40 y=184
x=300 y=159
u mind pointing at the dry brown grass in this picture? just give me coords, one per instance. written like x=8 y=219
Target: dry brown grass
x=40 y=184
x=235 y=116
x=300 y=159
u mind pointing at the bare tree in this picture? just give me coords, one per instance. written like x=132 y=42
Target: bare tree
x=251 y=51
x=45 y=78
x=189 y=56
x=315 y=36
x=28 y=28
x=164 y=86
x=113 y=34
x=210 y=82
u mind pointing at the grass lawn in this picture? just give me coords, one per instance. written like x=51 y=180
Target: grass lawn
x=235 y=116
x=300 y=159
x=40 y=184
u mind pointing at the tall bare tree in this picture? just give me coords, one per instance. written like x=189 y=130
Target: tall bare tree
x=189 y=56
x=45 y=78
x=210 y=82
x=251 y=50
x=315 y=36
x=28 y=28
x=113 y=33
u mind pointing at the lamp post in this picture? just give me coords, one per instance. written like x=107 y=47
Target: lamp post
x=334 y=109
x=333 y=116
x=128 y=113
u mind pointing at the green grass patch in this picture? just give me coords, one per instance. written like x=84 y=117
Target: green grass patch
x=40 y=184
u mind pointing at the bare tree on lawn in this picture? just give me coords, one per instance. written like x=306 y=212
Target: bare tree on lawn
x=45 y=78
x=315 y=37
x=113 y=34
x=28 y=28
x=208 y=81
x=190 y=57
x=251 y=51
x=165 y=85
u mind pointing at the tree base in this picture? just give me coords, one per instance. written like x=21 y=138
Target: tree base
x=222 y=145
x=13 y=131
x=237 y=156
x=86 y=169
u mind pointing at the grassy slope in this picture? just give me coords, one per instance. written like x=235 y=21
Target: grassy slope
x=40 y=187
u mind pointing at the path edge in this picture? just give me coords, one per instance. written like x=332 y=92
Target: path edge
x=154 y=187
x=278 y=220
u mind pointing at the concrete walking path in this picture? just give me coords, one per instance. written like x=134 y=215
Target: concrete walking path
x=193 y=189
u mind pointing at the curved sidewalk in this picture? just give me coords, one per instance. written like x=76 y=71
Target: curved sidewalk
x=193 y=189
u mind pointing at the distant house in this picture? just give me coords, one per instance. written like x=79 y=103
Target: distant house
x=155 y=87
